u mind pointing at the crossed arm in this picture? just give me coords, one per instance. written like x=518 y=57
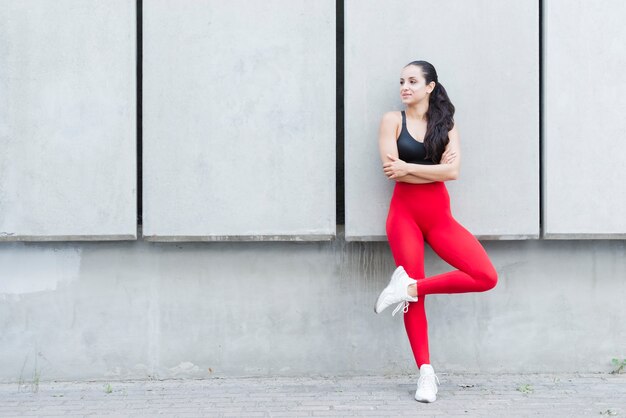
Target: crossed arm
x=398 y=170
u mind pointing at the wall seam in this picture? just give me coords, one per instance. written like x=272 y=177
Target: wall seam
x=339 y=112
x=541 y=125
x=139 y=104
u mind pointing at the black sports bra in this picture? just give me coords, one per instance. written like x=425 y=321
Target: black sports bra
x=411 y=150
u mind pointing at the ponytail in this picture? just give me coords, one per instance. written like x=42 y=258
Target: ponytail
x=440 y=117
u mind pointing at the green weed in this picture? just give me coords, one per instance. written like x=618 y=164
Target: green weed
x=526 y=388
x=619 y=365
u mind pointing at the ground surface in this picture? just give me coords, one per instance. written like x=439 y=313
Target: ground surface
x=566 y=395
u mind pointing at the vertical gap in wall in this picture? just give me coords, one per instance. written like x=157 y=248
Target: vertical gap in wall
x=138 y=95
x=340 y=196
x=541 y=121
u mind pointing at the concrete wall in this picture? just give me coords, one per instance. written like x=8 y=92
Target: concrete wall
x=585 y=128
x=67 y=120
x=140 y=309
x=239 y=120
x=487 y=56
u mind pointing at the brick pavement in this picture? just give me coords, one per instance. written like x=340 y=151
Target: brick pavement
x=546 y=395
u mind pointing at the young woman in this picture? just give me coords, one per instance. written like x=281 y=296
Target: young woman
x=419 y=148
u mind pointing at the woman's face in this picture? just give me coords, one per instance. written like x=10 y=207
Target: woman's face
x=413 y=87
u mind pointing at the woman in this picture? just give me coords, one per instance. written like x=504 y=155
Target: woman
x=419 y=148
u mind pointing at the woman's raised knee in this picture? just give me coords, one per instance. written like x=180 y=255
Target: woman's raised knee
x=488 y=277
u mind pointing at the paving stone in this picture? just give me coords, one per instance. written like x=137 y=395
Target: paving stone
x=385 y=396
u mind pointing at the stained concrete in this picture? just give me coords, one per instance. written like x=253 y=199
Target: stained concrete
x=142 y=310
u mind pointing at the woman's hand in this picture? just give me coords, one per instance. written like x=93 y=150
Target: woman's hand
x=448 y=156
x=395 y=168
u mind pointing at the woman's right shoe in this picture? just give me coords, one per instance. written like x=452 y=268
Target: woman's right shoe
x=427 y=384
x=396 y=292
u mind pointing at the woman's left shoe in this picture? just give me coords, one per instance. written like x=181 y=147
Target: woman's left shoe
x=427 y=384
x=396 y=292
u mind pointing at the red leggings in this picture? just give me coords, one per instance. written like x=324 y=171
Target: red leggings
x=421 y=212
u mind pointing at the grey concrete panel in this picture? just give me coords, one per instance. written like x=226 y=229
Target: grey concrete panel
x=67 y=120
x=113 y=311
x=486 y=55
x=584 y=128
x=239 y=120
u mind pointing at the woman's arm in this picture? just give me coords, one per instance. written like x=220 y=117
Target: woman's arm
x=397 y=168
x=388 y=147
x=410 y=178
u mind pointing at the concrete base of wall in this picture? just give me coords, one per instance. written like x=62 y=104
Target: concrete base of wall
x=121 y=310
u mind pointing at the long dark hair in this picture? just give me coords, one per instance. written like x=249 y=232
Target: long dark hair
x=440 y=114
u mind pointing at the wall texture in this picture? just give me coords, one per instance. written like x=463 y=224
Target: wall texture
x=585 y=129
x=67 y=120
x=138 y=310
x=239 y=120
x=239 y=143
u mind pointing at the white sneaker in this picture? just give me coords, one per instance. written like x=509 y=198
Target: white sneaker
x=396 y=291
x=427 y=384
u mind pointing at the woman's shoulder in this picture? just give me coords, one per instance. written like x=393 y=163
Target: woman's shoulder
x=454 y=129
x=393 y=116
